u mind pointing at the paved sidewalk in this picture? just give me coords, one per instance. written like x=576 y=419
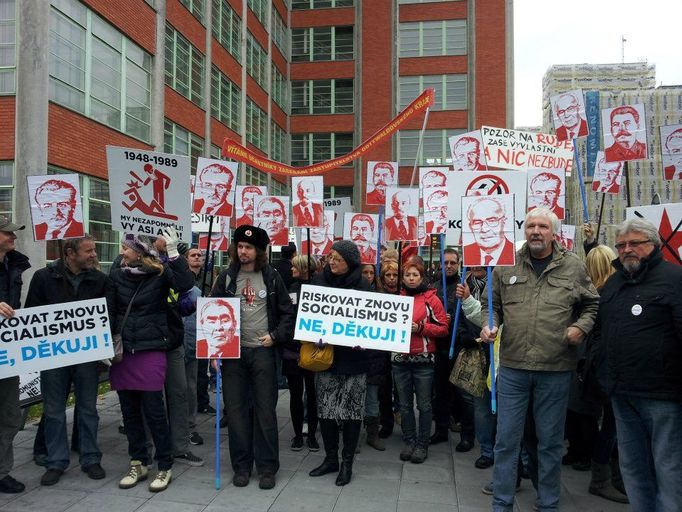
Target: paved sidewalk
x=447 y=481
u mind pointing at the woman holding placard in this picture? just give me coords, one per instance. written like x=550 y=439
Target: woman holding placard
x=341 y=389
x=413 y=372
x=138 y=305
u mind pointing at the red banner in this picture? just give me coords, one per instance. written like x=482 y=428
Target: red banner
x=234 y=150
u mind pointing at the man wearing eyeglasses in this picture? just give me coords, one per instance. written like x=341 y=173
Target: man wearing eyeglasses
x=548 y=305
x=568 y=110
x=486 y=219
x=639 y=330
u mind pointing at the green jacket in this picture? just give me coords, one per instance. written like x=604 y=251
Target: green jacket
x=536 y=311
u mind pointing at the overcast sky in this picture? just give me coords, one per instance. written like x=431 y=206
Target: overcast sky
x=590 y=32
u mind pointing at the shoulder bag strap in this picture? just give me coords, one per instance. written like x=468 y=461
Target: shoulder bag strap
x=130 y=305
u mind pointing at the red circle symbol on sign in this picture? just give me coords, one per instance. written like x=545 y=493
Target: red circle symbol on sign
x=487 y=185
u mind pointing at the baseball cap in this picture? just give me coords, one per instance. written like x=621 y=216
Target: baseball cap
x=6 y=225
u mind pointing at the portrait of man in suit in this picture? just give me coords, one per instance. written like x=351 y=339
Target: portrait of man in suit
x=213 y=191
x=569 y=110
x=308 y=209
x=486 y=218
x=607 y=175
x=321 y=238
x=402 y=203
x=672 y=155
x=272 y=215
x=363 y=234
x=382 y=176
x=217 y=331
x=247 y=196
x=625 y=127
x=435 y=210
x=545 y=189
x=466 y=154
x=433 y=178
x=57 y=202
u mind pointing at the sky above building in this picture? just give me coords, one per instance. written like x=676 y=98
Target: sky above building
x=590 y=31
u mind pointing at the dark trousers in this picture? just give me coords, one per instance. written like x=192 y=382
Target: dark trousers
x=386 y=417
x=251 y=381
x=296 y=386
x=581 y=432
x=449 y=400
x=605 y=443
x=203 y=400
x=135 y=404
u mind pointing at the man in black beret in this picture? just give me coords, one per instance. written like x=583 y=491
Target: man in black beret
x=267 y=318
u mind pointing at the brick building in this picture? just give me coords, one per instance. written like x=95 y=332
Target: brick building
x=298 y=80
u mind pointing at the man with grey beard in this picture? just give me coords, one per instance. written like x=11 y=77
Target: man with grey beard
x=639 y=328
x=548 y=305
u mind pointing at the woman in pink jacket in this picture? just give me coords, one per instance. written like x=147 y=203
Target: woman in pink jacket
x=413 y=372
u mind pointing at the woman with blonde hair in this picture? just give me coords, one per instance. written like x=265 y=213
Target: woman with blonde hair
x=598 y=263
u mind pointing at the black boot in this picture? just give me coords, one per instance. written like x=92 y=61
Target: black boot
x=330 y=437
x=351 y=436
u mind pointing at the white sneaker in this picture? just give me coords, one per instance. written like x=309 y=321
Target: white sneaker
x=160 y=483
x=136 y=473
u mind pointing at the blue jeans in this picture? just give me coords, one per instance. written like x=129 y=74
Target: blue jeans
x=548 y=392
x=650 y=450
x=485 y=424
x=55 y=385
x=415 y=379
x=372 y=401
x=250 y=388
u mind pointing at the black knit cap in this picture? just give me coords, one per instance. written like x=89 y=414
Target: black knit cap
x=349 y=252
x=251 y=235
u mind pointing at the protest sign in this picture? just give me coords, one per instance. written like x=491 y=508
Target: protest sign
x=354 y=319
x=322 y=238
x=484 y=183
x=435 y=209
x=668 y=219
x=29 y=388
x=488 y=230
x=200 y=222
x=607 y=175
x=214 y=187
x=340 y=206
x=567 y=237
x=402 y=211
x=547 y=189
x=220 y=235
x=363 y=230
x=306 y=200
x=56 y=208
x=380 y=176
x=272 y=215
x=514 y=149
x=568 y=114
x=671 y=151
x=624 y=130
x=593 y=140
x=218 y=328
x=149 y=191
x=53 y=336
x=467 y=151
x=246 y=196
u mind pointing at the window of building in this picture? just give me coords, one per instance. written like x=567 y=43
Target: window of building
x=320 y=4
x=421 y=1
x=332 y=191
x=280 y=89
x=322 y=96
x=322 y=43
x=278 y=143
x=215 y=152
x=184 y=67
x=310 y=148
x=256 y=126
x=178 y=141
x=279 y=188
x=433 y=38
x=279 y=33
x=435 y=149
x=97 y=71
x=260 y=9
x=227 y=27
x=6 y=187
x=253 y=176
x=256 y=62
x=196 y=7
x=225 y=100
x=450 y=90
x=8 y=59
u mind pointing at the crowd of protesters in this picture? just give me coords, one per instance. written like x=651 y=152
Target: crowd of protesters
x=588 y=374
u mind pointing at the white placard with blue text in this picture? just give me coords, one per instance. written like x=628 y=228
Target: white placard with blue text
x=54 y=336
x=353 y=318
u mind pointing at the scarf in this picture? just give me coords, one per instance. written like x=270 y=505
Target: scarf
x=476 y=286
x=421 y=288
x=137 y=269
x=350 y=280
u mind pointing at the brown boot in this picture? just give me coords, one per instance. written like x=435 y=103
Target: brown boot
x=601 y=485
x=373 y=439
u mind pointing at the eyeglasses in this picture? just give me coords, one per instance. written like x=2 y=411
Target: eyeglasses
x=571 y=110
x=632 y=243
x=493 y=222
x=451 y=263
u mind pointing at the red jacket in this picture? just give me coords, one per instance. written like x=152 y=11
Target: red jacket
x=429 y=315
